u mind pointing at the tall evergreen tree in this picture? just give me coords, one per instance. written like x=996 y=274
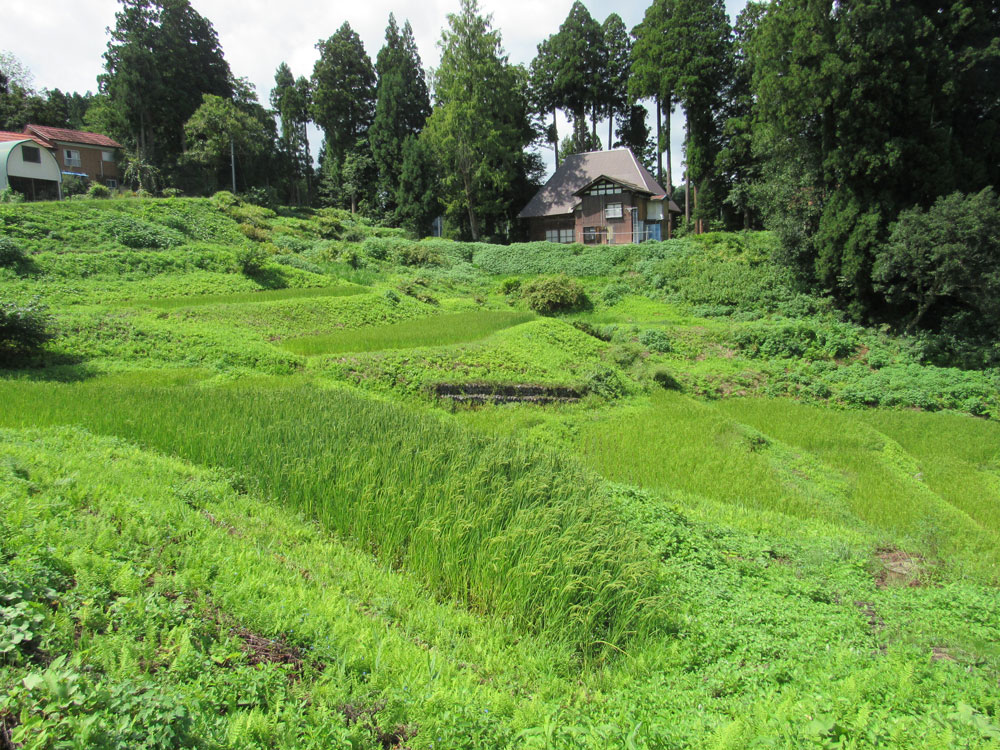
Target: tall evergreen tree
x=615 y=100
x=343 y=86
x=653 y=76
x=479 y=126
x=580 y=61
x=290 y=99
x=543 y=98
x=162 y=58
x=401 y=109
x=417 y=194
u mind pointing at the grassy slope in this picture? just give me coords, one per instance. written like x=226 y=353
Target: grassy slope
x=749 y=565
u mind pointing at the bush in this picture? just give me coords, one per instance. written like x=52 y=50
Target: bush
x=251 y=259
x=510 y=286
x=140 y=235
x=604 y=381
x=97 y=190
x=656 y=341
x=73 y=185
x=418 y=290
x=613 y=293
x=11 y=255
x=172 y=192
x=24 y=328
x=552 y=294
x=8 y=195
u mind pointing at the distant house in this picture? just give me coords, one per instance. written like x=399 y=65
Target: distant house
x=28 y=166
x=81 y=154
x=599 y=198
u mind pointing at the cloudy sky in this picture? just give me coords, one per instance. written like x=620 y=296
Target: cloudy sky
x=62 y=41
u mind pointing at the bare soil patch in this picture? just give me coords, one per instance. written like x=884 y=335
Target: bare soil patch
x=389 y=739
x=502 y=393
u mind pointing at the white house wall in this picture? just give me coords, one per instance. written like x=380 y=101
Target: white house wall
x=48 y=169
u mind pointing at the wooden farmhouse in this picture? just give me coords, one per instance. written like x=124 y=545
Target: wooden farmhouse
x=599 y=198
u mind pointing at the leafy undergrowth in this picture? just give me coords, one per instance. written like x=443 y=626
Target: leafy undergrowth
x=159 y=605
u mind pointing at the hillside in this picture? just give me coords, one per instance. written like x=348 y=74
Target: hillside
x=285 y=479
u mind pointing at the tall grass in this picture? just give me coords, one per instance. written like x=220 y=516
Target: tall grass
x=439 y=330
x=507 y=528
x=269 y=295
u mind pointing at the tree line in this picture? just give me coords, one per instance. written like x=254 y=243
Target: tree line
x=827 y=122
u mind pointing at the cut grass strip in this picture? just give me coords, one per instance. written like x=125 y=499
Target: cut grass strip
x=439 y=330
x=268 y=295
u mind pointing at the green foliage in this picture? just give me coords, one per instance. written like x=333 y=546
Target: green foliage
x=139 y=234
x=97 y=190
x=9 y=195
x=11 y=254
x=800 y=338
x=943 y=265
x=343 y=91
x=24 y=328
x=479 y=128
x=402 y=106
x=656 y=341
x=553 y=294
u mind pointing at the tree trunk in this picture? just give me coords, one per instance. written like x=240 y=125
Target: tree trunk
x=593 y=122
x=555 y=132
x=659 y=153
x=308 y=163
x=473 y=222
x=687 y=172
x=670 y=170
x=611 y=135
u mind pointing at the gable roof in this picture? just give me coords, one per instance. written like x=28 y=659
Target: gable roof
x=580 y=170
x=605 y=178
x=71 y=136
x=6 y=136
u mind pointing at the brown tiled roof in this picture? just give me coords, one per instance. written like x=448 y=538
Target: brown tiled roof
x=6 y=136
x=577 y=171
x=72 y=136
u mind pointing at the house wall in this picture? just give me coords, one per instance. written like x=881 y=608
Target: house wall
x=91 y=162
x=592 y=214
x=16 y=166
x=537 y=226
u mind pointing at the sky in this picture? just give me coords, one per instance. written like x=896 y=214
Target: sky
x=62 y=41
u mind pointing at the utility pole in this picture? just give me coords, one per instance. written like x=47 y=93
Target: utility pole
x=232 y=161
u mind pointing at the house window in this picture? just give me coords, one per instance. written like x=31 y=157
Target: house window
x=565 y=236
x=613 y=211
x=604 y=188
x=108 y=155
x=592 y=235
x=72 y=157
x=111 y=183
x=31 y=154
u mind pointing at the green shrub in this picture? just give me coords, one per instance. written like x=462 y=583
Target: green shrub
x=612 y=294
x=251 y=258
x=73 y=186
x=11 y=254
x=509 y=287
x=139 y=234
x=811 y=339
x=24 y=328
x=417 y=288
x=552 y=294
x=605 y=381
x=256 y=233
x=656 y=341
x=97 y=190
x=9 y=195
x=172 y=192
